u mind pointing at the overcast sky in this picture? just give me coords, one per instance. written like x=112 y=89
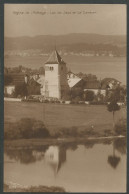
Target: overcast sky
x=44 y=19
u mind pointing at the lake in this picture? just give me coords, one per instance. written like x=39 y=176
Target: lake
x=103 y=66
x=93 y=166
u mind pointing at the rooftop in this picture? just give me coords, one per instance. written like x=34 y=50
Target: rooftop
x=55 y=58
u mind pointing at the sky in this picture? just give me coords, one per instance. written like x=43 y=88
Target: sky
x=57 y=19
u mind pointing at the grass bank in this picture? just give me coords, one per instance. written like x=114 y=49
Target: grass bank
x=58 y=116
x=8 y=188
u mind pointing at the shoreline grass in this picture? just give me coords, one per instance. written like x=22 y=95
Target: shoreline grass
x=35 y=143
x=12 y=188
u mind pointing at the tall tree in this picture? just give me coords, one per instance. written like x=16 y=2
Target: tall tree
x=113 y=106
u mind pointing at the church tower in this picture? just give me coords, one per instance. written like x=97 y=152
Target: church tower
x=55 y=77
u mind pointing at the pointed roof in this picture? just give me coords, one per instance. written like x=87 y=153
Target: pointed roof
x=55 y=58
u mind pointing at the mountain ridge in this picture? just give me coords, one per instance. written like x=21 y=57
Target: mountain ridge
x=42 y=41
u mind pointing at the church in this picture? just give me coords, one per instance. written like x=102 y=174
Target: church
x=55 y=82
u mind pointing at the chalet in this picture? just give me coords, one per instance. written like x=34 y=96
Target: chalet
x=74 y=81
x=95 y=86
x=39 y=78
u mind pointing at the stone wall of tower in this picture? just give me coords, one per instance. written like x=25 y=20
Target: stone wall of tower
x=52 y=81
x=63 y=79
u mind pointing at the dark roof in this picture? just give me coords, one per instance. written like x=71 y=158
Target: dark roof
x=18 y=78
x=55 y=58
x=95 y=84
x=32 y=82
x=70 y=72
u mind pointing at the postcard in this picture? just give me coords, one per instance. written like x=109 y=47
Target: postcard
x=65 y=98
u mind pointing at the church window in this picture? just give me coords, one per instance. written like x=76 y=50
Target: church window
x=51 y=68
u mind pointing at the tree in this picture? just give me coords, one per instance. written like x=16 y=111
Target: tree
x=7 y=79
x=21 y=90
x=76 y=92
x=41 y=70
x=113 y=107
x=89 y=95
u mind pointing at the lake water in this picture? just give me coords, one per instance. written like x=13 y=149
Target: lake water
x=93 y=166
x=114 y=67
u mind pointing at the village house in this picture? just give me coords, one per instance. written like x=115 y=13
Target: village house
x=16 y=80
x=95 y=86
x=57 y=83
x=74 y=80
x=9 y=90
x=40 y=78
x=21 y=80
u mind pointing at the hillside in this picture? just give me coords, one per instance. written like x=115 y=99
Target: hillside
x=47 y=42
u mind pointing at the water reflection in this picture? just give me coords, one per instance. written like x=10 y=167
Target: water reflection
x=26 y=156
x=82 y=167
x=119 y=145
x=55 y=156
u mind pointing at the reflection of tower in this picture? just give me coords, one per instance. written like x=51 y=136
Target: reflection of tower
x=55 y=156
x=55 y=76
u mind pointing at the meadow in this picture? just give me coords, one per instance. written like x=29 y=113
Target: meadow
x=58 y=116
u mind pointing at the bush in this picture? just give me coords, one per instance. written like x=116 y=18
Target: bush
x=26 y=128
x=76 y=100
x=121 y=127
x=46 y=101
x=67 y=132
x=72 y=102
x=81 y=102
x=97 y=103
x=39 y=130
x=11 y=131
x=89 y=95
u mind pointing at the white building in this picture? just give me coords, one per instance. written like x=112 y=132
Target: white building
x=9 y=89
x=72 y=79
x=55 y=83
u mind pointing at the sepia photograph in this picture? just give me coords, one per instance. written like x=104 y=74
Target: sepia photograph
x=65 y=98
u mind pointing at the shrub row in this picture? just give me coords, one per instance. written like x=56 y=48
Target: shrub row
x=121 y=127
x=25 y=128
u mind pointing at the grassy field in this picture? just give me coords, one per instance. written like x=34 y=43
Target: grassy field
x=57 y=116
